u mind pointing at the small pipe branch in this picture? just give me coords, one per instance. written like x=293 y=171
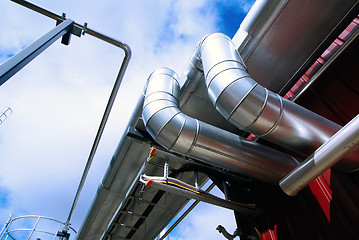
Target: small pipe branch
x=331 y=152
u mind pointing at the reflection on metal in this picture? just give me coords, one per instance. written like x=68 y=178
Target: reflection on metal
x=326 y=65
x=255 y=25
x=286 y=37
x=156 y=208
x=188 y=136
x=332 y=151
x=116 y=184
x=4 y=113
x=183 y=189
x=42 y=228
x=254 y=108
x=18 y=61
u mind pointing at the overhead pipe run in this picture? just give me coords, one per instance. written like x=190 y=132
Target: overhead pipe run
x=188 y=136
x=259 y=19
x=332 y=151
x=255 y=109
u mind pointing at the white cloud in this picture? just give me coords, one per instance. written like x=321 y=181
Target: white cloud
x=202 y=222
x=59 y=98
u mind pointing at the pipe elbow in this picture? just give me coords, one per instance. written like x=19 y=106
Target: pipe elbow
x=255 y=109
x=230 y=88
x=187 y=136
x=163 y=120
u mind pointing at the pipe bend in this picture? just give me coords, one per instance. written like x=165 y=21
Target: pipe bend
x=255 y=109
x=185 y=135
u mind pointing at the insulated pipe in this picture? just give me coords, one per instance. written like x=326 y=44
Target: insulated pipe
x=188 y=136
x=254 y=108
x=332 y=151
x=256 y=24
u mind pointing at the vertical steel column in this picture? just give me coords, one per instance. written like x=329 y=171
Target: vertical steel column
x=17 y=62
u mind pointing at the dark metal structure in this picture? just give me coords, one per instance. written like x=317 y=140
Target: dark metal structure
x=248 y=112
x=279 y=42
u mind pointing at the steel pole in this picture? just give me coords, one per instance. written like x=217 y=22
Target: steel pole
x=331 y=152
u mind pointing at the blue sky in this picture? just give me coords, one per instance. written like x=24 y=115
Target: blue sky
x=59 y=98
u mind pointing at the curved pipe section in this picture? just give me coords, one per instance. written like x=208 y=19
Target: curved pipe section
x=188 y=136
x=254 y=108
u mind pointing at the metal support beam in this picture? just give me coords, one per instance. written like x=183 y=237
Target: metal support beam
x=187 y=191
x=17 y=62
x=331 y=152
x=132 y=214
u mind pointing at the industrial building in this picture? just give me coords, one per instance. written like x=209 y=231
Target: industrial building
x=270 y=117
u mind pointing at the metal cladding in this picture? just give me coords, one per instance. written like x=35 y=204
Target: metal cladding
x=188 y=136
x=254 y=108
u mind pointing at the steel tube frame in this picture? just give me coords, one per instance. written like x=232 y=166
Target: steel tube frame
x=6 y=229
x=118 y=81
x=110 y=103
x=331 y=152
x=17 y=62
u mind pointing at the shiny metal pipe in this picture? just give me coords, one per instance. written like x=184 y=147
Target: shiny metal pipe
x=332 y=151
x=257 y=22
x=111 y=100
x=116 y=183
x=188 y=136
x=254 y=108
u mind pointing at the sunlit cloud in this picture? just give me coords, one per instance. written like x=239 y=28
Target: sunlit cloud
x=59 y=98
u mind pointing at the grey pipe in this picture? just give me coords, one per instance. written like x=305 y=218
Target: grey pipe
x=332 y=151
x=116 y=183
x=255 y=109
x=188 y=136
x=257 y=22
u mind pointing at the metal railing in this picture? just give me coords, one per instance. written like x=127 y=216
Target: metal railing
x=33 y=227
x=4 y=113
